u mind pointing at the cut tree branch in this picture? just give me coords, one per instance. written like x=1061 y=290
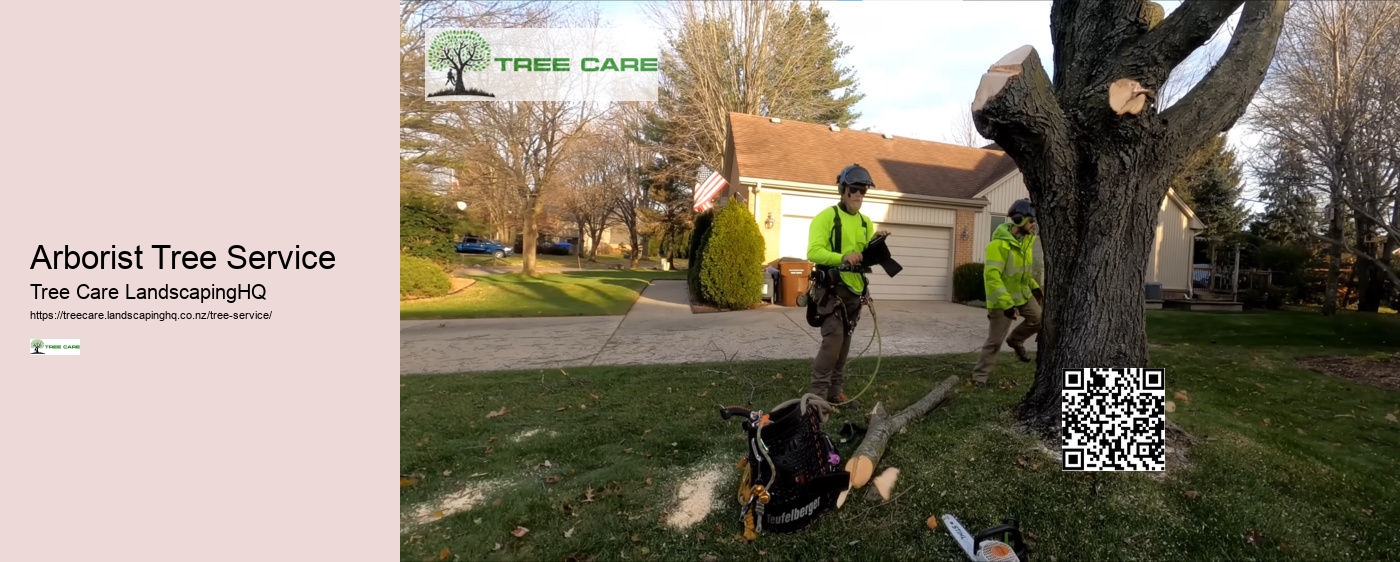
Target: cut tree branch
x=882 y=426
x=1015 y=106
x=1222 y=96
x=1181 y=33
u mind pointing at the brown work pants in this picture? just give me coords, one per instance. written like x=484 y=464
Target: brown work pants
x=998 y=325
x=841 y=311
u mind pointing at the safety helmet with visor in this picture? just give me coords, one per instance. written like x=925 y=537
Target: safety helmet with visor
x=854 y=176
x=1021 y=213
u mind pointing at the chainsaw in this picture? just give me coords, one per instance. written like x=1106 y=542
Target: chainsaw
x=1001 y=543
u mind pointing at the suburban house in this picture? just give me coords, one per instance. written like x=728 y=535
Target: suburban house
x=940 y=202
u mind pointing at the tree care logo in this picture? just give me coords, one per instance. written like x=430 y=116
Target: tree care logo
x=39 y=346
x=552 y=64
x=457 y=51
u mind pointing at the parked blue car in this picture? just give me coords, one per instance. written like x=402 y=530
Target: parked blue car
x=478 y=245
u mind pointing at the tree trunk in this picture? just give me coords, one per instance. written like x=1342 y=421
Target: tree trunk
x=1096 y=175
x=529 y=235
x=1334 y=256
x=1370 y=281
x=881 y=426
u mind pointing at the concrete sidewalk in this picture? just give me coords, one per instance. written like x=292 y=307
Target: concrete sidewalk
x=660 y=328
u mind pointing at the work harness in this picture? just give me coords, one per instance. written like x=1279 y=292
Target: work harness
x=826 y=278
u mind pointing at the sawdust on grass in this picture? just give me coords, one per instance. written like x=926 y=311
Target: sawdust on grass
x=695 y=498
x=464 y=499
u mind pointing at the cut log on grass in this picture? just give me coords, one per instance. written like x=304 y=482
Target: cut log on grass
x=882 y=487
x=882 y=426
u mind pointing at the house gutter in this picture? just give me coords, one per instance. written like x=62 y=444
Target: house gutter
x=874 y=194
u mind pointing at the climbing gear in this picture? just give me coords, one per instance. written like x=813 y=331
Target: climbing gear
x=792 y=473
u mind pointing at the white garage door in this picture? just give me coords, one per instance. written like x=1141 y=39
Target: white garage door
x=926 y=253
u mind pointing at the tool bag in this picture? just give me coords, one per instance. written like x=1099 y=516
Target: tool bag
x=792 y=473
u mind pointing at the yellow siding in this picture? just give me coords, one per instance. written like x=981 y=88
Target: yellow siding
x=1170 y=260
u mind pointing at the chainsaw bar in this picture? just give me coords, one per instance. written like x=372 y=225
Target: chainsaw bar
x=960 y=534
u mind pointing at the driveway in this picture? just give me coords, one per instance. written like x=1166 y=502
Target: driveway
x=660 y=328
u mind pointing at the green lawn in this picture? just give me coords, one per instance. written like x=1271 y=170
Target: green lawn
x=586 y=293
x=1289 y=464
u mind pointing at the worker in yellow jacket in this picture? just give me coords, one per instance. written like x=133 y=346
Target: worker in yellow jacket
x=1012 y=291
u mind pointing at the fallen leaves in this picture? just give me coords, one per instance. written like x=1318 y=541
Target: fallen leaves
x=552 y=480
x=1193 y=495
x=1182 y=397
x=498 y=413
x=445 y=554
x=1171 y=406
x=1391 y=418
x=519 y=531
x=1253 y=537
x=932 y=522
x=406 y=481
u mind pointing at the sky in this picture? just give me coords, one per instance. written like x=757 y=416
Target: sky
x=919 y=62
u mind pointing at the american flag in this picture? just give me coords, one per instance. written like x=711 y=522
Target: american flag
x=708 y=189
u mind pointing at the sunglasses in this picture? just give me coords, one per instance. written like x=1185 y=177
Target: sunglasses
x=861 y=189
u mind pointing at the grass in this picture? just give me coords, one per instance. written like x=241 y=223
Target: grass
x=1290 y=464
x=558 y=261
x=586 y=293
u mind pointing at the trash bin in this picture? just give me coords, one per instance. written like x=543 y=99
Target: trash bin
x=794 y=275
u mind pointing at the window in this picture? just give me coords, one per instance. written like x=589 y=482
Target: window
x=996 y=221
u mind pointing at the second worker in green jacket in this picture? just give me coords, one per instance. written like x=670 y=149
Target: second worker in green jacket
x=1012 y=291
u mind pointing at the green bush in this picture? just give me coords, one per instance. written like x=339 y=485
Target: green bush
x=425 y=227
x=732 y=274
x=696 y=254
x=967 y=283
x=419 y=277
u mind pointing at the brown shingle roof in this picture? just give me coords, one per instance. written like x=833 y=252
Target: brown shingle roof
x=812 y=153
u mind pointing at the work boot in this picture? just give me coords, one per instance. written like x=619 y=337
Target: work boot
x=1021 y=353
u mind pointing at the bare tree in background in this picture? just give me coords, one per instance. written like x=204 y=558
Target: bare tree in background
x=1097 y=156
x=964 y=132
x=524 y=146
x=592 y=195
x=1331 y=96
x=763 y=57
x=430 y=137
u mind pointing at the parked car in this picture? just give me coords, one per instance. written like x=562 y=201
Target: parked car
x=562 y=248
x=478 y=245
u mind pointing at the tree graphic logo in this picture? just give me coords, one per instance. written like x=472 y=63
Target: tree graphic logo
x=36 y=344
x=457 y=51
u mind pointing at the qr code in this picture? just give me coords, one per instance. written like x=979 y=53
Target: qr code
x=1114 y=419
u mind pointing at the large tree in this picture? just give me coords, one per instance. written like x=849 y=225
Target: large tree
x=1098 y=155
x=1332 y=95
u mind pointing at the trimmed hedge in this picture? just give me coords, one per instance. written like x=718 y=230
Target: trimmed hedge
x=419 y=277
x=696 y=255
x=967 y=283
x=731 y=275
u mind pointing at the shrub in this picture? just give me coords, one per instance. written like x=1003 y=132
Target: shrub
x=696 y=252
x=419 y=277
x=732 y=273
x=425 y=227
x=967 y=283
